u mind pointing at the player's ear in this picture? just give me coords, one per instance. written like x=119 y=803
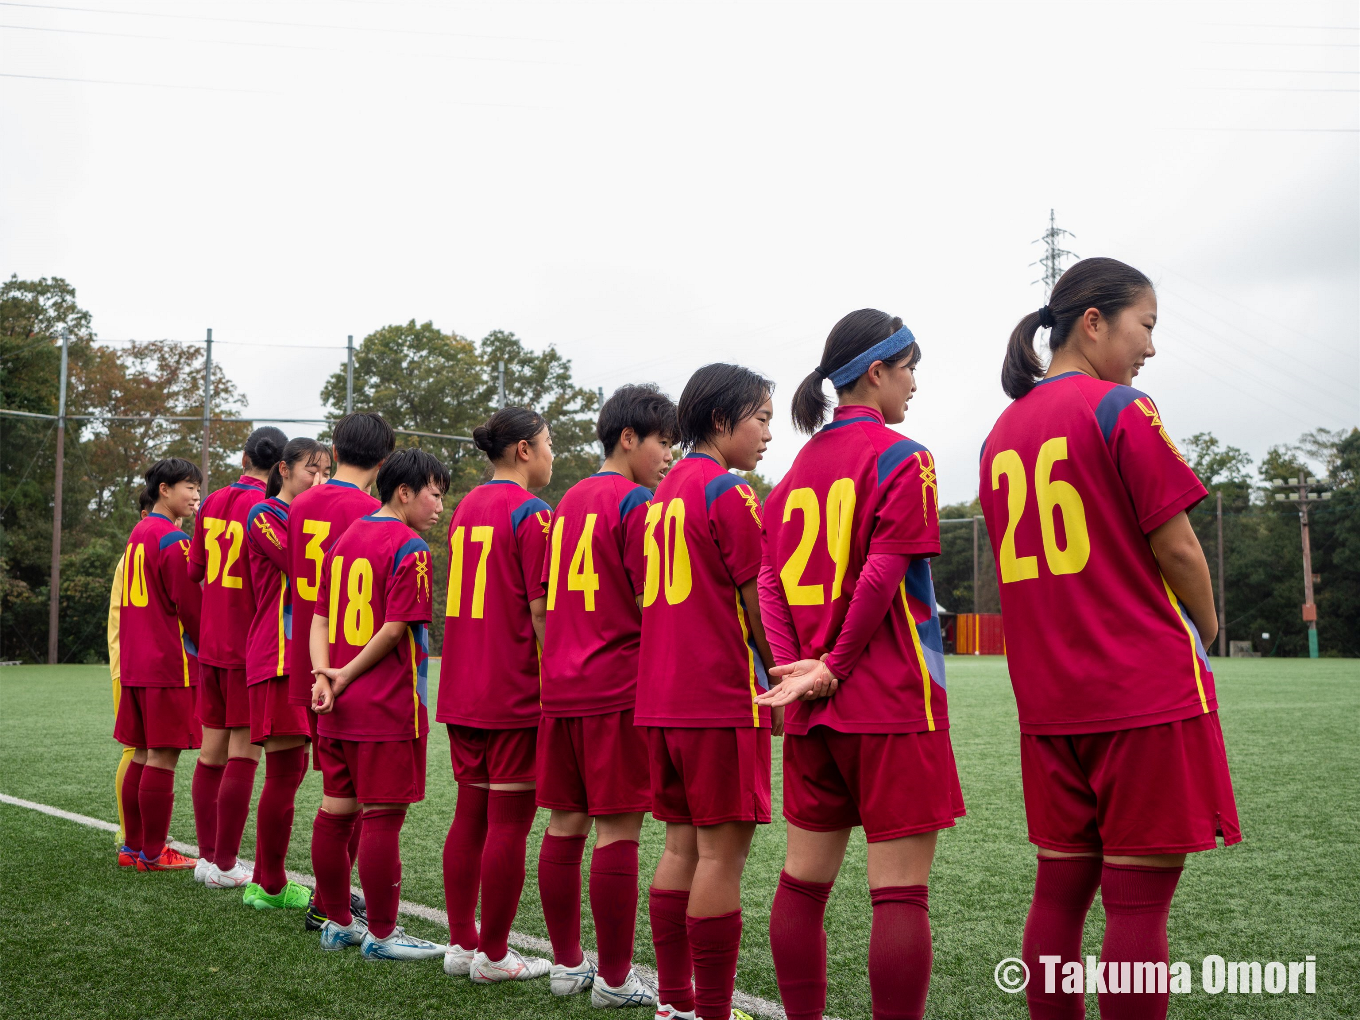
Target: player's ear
x=628 y=439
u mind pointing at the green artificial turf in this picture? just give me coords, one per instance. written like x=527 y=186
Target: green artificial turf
x=80 y=937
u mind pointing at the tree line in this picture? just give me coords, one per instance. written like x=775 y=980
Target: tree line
x=423 y=378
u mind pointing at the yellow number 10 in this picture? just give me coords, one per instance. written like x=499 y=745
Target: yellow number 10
x=1052 y=495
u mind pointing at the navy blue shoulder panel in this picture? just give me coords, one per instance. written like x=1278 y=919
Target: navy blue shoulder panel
x=891 y=458
x=415 y=544
x=635 y=498
x=1112 y=405
x=529 y=506
x=265 y=507
x=982 y=454
x=718 y=485
x=171 y=537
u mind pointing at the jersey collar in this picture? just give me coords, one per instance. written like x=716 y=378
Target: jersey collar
x=256 y=483
x=161 y=516
x=336 y=481
x=1065 y=375
x=848 y=414
x=701 y=456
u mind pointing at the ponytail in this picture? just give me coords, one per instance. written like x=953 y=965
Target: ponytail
x=1107 y=285
x=856 y=334
x=265 y=446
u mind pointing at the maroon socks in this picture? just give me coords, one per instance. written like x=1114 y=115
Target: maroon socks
x=509 y=816
x=1063 y=890
x=463 y=864
x=331 y=863
x=233 y=808
x=613 y=904
x=380 y=868
x=559 y=887
x=799 y=954
x=900 y=952
x=670 y=939
x=156 y=798
x=283 y=774
x=207 y=781
x=1137 y=900
x=132 y=811
x=714 y=943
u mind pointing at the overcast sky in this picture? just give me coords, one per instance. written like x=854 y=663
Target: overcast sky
x=654 y=186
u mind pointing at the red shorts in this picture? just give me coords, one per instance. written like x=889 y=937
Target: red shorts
x=893 y=784
x=707 y=776
x=223 y=703
x=373 y=771
x=1153 y=790
x=492 y=756
x=273 y=715
x=157 y=717
x=593 y=763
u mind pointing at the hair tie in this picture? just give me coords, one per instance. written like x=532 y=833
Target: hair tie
x=1046 y=320
x=822 y=374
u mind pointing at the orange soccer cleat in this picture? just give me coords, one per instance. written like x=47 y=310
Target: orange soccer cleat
x=169 y=860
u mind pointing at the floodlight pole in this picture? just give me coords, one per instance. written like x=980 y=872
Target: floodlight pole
x=54 y=583
x=1222 y=599
x=207 y=408
x=349 y=375
x=500 y=385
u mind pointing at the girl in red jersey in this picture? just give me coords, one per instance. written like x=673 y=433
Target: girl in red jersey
x=846 y=589
x=280 y=726
x=488 y=692
x=225 y=775
x=702 y=661
x=1106 y=621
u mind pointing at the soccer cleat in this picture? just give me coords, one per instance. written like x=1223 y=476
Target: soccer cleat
x=486 y=971
x=458 y=961
x=202 y=868
x=216 y=878
x=169 y=860
x=400 y=946
x=632 y=992
x=739 y=1015
x=334 y=936
x=291 y=897
x=665 y=1012
x=127 y=857
x=314 y=919
x=564 y=980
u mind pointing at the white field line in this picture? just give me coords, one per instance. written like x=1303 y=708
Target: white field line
x=749 y=1003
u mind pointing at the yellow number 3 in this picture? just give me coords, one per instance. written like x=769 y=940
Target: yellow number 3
x=1051 y=495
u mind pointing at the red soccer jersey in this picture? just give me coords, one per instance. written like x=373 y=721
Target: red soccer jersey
x=489 y=676
x=592 y=576
x=858 y=488
x=699 y=664
x=217 y=557
x=1074 y=476
x=377 y=572
x=271 y=629
x=158 y=619
x=317 y=518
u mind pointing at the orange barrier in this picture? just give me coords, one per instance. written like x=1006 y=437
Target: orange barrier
x=979 y=634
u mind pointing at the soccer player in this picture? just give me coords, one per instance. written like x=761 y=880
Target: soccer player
x=1107 y=608
x=316 y=520
x=144 y=504
x=849 y=605
x=158 y=623
x=592 y=760
x=488 y=692
x=370 y=644
x=703 y=661
x=225 y=775
x=275 y=722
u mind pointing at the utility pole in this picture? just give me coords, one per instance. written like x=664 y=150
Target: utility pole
x=1222 y=600
x=349 y=375
x=1303 y=495
x=977 y=603
x=500 y=386
x=207 y=408
x=1054 y=253
x=54 y=584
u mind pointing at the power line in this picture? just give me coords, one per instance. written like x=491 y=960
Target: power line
x=140 y=84
x=1271 y=70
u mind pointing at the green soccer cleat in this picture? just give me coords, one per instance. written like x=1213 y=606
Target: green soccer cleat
x=291 y=897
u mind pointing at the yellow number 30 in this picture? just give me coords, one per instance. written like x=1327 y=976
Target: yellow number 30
x=1052 y=495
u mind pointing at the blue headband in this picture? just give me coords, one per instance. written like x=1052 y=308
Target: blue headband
x=881 y=351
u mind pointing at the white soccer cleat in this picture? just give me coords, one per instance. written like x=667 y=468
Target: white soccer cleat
x=632 y=992
x=335 y=936
x=564 y=980
x=486 y=971
x=665 y=1012
x=216 y=878
x=400 y=946
x=458 y=961
x=202 y=868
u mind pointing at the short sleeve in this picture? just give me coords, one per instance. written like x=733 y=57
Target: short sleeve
x=907 y=516
x=409 y=598
x=267 y=533
x=198 y=552
x=174 y=570
x=1158 y=480
x=633 y=525
x=734 y=517
x=323 y=587
x=534 y=523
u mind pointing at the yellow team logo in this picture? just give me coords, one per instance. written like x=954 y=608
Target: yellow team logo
x=1155 y=420
x=749 y=494
x=544 y=518
x=422 y=574
x=928 y=482
x=184 y=548
x=262 y=522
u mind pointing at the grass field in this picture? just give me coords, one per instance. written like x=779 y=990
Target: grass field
x=81 y=937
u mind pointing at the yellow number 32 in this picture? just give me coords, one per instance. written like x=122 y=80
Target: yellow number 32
x=1052 y=495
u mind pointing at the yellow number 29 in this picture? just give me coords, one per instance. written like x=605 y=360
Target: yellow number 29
x=1052 y=495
